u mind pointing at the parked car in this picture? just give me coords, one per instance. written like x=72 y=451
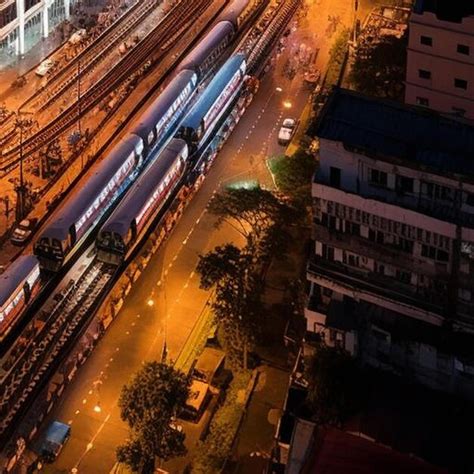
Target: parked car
x=45 y=67
x=286 y=131
x=54 y=440
x=23 y=231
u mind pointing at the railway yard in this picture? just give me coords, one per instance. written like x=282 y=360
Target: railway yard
x=107 y=151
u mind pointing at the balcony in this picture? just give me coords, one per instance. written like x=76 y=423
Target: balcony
x=375 y=289
x=437 y=209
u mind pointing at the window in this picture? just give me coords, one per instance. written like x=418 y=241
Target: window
x=376 y=236
x=460 y=84
x=436 y=191
x=378 y=178
x=335 y=177
x=459 y=112
x=405 y=245
x=463 y=49
x=435 y=254
x=470 y=199
x=422 y=101
x=403 y=276
x=426 y=40
x=424 y=74
x=353 y=228
x=404 y=184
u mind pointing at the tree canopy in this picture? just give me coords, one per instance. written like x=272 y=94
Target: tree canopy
x=293 y=176
x=335 y=385
x=148 y=404
x=236 y=305
x=249 y=211
x=380 y=69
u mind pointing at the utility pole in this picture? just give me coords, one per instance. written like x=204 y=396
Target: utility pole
x=21 y=188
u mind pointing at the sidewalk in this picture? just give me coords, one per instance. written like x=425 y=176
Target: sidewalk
x=256 y=437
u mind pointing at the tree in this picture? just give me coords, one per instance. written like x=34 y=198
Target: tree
x=148 y=404
x=249 y=211
x=293 y=176
x=379 y=69
x=335 y=385
x=236 y=305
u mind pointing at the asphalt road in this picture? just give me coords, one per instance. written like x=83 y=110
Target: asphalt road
x=166 y=300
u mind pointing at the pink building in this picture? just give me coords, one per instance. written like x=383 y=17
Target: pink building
x=440 y=66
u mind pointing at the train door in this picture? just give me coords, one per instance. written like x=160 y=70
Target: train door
x=133 y=228
x=72 y=236
x=27 y=291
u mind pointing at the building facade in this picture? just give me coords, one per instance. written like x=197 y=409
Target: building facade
x=440 y=56
x=24 y=22
x=392 y=271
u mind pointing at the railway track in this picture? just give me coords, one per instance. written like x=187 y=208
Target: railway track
x=89 y=57
x=171 y=26
x=50 y=344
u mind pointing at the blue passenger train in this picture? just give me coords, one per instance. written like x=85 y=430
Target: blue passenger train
x=19 y=284
x=108 y=180
x=142 y=202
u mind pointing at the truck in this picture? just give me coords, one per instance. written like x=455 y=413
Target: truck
x=56 y=436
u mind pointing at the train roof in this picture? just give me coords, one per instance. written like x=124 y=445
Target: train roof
x=213 y=91
x=128 y=209
x=80 y=200
x=15 y=274
x=163 y=102
x=199 y=54
x=233 y=11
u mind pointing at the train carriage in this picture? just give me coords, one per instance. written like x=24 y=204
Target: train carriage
x=141 y=203
x=85 y=206
x=19 y=284
x=203 y=59
x=237 y=12
x=213 y=102
x=167 y=109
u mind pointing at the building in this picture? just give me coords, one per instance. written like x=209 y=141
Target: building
x=392 y=271
x=24 y=22
x=440 y=58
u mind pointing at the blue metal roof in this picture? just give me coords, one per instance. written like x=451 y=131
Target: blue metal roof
x=447 y=10
x=128 y=209
x=15 y=274
x=80 y=200
x=207 y=45
x=391 y=129
x=162 y=103
x=213 y=91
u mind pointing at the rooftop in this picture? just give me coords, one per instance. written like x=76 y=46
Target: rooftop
x=336 y=452
x=447 y=10
x=382 y=128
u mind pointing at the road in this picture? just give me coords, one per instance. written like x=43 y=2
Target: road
x=166 y=300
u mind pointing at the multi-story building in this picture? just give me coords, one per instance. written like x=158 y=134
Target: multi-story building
x=24 y=22
x=392 y=272
x=440 y=58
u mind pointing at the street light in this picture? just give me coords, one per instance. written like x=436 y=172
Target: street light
x=97 y=408
x=287 y=104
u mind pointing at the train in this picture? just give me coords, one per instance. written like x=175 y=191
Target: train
x=205 y=114
x=144 y=199
x=19 y=284
x=108 y=180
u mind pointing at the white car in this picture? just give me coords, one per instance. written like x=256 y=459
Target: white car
x=23 y=231
x=44 y=67
x=286 y=131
